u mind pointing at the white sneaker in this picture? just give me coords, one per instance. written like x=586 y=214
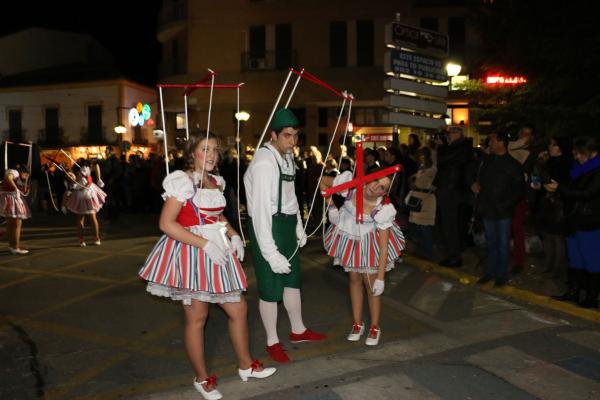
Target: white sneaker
x=18 y=251
x=253 y=373
x=82 y=243
x=356 y=332
x=97 y=242
x=373 y=337
x=213 y=394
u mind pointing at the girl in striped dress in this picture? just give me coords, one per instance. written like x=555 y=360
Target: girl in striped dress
x=13 y=207
x=85 y=198
x=197 y=260
x=366 y=250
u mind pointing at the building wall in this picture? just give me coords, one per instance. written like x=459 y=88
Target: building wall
x=72 y=101
x=218 y=35
x=131 y=95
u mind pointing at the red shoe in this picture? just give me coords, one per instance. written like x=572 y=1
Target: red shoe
x=306 y=336
x=277 y=353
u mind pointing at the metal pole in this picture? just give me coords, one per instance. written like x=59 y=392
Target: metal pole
x=187 y=128
x=294 y=88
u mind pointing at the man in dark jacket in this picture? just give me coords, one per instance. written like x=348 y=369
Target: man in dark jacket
x=499 y=188
x=452 y=192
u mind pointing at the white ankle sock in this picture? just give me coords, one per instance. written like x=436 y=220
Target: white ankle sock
x=293 y=305
x=268 y=314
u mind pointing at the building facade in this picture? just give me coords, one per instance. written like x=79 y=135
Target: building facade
x=341 y=42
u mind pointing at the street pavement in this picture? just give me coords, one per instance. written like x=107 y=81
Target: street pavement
x=76 y=323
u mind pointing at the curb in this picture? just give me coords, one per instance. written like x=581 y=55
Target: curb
x=510 y=291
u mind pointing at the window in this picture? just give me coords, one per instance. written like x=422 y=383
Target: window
x=51 y=117
x=283 y=46
x=180 y=120
x=430 y=23
x=364 y=43
x=95 y=124
x=338 y=44
x=15 y=128
x=456 y=33
x=323 y=139
x=257 y=41
x=323 y=117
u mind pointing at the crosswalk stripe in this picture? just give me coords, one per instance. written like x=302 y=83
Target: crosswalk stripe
x=395 y=386
x=589 y=339
x=537 y=377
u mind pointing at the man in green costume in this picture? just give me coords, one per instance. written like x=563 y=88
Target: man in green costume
x=276 y=231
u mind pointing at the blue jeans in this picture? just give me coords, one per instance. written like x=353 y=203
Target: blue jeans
x=497 y=236
x=423 y=238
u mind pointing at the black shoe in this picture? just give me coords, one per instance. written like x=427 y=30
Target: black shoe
x=451 y=262
x=484 y=279
x=500 y=281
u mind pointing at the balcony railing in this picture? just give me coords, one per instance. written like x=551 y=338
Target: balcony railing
x=51 y=137
x=172 y=12
x=270 y=60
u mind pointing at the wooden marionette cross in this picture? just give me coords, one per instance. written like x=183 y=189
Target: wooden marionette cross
x=360 y=180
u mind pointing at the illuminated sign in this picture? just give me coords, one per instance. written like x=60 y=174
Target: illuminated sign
x=505 y=80
x=139 y=114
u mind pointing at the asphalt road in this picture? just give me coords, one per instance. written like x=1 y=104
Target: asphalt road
x=76 y=323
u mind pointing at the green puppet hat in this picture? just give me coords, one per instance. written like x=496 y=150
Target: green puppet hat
x=283 y=118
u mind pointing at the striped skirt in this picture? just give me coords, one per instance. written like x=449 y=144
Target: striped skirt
x=361 y=253
x=86 y=201
x=13 y=206
x=184 y=272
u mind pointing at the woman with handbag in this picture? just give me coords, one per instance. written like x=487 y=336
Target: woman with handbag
x=421 y=203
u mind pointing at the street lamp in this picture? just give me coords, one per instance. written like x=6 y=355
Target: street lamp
x=120 y=129
x=453 y=69
x=242 y=116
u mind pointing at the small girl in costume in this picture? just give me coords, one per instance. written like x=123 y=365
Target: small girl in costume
x=13 y=207
x=84 y=198
x=366 y=250
x=197 y=260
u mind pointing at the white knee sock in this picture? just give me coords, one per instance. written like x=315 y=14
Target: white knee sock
x=268 y=314
x=293 y=305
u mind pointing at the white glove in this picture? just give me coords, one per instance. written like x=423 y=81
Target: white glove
x=215 y=253
x=238 y=247
x=300 y=235
x=100 y=183
x=334 y=215
x=279 y=264
x=378 y=287
x=64 y=210
x=385 y=215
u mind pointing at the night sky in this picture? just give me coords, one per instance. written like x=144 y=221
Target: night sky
x=126 y=28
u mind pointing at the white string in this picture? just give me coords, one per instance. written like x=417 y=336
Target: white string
x=273 y=110
x=187 y=125
x=319 y=180
x=162 y=113
x=237 y=141
x=347 y=126
x=50 y=191
x=210 y=98
x=67 y=154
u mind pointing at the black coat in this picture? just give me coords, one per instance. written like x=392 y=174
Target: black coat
x=549 y=214
x=452 y=162
x=502 y=184
x=582 y=197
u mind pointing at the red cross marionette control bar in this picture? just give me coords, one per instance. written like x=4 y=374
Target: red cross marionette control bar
x=360 y=180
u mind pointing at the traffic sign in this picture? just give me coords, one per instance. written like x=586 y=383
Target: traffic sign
x=401 y=62
x=415 y=121
x=422 y=40
x=410 y=86
x=415 y=104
